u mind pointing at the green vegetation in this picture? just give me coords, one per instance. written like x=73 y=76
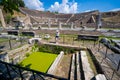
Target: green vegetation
x=11 y=5
x=56 y=12
x=27 y=54
x=3 y=40
x=8 y=18
x=39 y=61
x=111 y=28
x=55 y=49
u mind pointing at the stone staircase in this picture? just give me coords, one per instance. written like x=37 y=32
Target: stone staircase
x=80 y=67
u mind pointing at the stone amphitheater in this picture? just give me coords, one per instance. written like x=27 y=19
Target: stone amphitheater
x=74 y=66
x=46 y=19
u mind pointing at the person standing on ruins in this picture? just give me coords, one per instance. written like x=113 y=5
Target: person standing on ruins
x=57 y=36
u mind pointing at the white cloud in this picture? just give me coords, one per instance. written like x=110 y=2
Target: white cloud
x=117 y=9
x=64 y=7
x=89 y=10
x=36 y=4
x=64 y=1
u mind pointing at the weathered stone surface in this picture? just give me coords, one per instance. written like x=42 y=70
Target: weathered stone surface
x=72 y=68
x=78 y=67
x=86 y=66
x=100 y=77
x=53 y=67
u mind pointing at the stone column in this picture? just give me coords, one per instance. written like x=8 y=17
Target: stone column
x=72 y=25
x=49 y=23
x=2 y=19
x=60 y=25
x=98 y=23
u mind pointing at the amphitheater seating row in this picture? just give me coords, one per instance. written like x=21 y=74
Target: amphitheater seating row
x=61 y=17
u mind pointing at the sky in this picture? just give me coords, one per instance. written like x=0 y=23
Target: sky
x=73 y=6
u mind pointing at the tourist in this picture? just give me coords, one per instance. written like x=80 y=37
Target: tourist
x=57 y=36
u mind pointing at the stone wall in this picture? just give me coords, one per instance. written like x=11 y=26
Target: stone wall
x=16 y=55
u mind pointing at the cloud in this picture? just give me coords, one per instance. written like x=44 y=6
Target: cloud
x=89 y=10
x=36 y=4
x=116 y=9
x=64 y=7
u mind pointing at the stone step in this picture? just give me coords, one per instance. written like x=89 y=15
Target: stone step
x=78 y=66
x=72 y=68
x=88 y=72
x=75 y=67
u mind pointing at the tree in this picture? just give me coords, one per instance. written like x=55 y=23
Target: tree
x=8 y=18
x=21 y=3
x=56 y=12
x=11 y=5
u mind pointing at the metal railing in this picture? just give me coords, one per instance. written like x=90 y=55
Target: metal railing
x=10 y=71
x=105 y=52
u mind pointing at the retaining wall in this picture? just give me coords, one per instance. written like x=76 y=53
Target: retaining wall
x=53 y=67
x=16 y=55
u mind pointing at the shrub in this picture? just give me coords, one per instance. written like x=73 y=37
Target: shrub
x=27 y=54
x=55 y=49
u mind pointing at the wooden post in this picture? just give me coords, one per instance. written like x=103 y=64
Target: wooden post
x=98 y=46
x=83 y=42
x=73 y=41
x=10 y=43
x=21 y=40
x=79 y=42
x=94 y=43
x=106 y=52
x=63 y=39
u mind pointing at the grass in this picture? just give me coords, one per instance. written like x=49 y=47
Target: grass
x=3 y=40
x=111 y=28
x=39 y=61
